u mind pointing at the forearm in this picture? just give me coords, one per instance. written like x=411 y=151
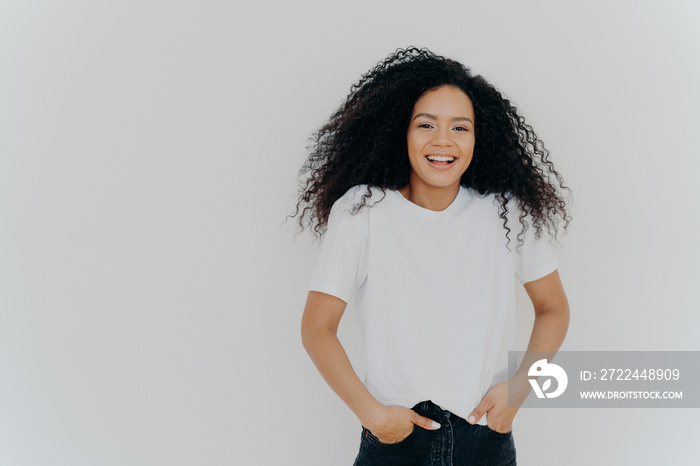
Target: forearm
x=332 y=362
x=503 y=400
x=548 y=332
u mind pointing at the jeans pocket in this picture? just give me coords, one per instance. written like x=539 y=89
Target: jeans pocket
x=369 y=436
x=495 y=432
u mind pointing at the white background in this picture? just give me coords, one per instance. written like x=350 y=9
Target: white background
x=150 y=293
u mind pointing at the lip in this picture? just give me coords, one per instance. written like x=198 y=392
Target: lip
x=441 y=165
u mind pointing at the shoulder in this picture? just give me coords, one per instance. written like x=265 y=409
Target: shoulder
x=486 y=204
x=359 y=198
x=492 y=208
x=351 y=210
x=494 y=202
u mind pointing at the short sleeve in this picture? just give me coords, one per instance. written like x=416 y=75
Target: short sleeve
x=341 y=267
x=536 y=258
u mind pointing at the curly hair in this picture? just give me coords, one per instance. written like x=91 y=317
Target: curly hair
x=364 y=142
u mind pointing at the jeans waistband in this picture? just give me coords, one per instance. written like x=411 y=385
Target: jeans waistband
x=434 y=412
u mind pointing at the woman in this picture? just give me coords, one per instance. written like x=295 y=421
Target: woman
x=434 y=195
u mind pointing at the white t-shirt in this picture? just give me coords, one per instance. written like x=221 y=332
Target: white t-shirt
x=434 y=292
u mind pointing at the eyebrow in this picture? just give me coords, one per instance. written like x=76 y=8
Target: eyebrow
x=434 y=117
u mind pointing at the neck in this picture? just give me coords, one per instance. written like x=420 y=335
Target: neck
x=429 y=197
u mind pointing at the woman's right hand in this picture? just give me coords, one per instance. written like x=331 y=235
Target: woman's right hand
x=394 y=423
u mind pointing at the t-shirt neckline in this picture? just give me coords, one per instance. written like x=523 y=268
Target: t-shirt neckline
x=429 y=212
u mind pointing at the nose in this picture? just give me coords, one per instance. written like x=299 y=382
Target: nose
x=441 y=137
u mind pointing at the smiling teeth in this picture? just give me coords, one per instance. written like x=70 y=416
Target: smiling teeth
x=440 y=158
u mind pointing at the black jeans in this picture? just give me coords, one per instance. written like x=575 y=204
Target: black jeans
x=455 y=443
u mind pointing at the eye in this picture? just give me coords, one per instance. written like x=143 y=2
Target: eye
x=461 y=128
x=424 y=125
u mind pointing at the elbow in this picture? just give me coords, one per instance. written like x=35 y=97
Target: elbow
x=310 y=333
x=314 y=334
x=558 y=305
x=320 y=319
x=556 y=317
x=305 y=336
x=560 y=312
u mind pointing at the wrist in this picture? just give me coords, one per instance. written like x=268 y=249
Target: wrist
x=372 y=414
x=518 y=389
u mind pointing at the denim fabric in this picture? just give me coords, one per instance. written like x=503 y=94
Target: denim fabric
x=455 y=443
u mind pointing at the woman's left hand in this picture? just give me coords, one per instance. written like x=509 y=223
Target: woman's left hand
x=495 y=403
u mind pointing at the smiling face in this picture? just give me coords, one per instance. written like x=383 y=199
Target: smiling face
x=440 y=141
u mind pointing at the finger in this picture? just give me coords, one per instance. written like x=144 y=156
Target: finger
x=424 y=422
x=478 y=412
